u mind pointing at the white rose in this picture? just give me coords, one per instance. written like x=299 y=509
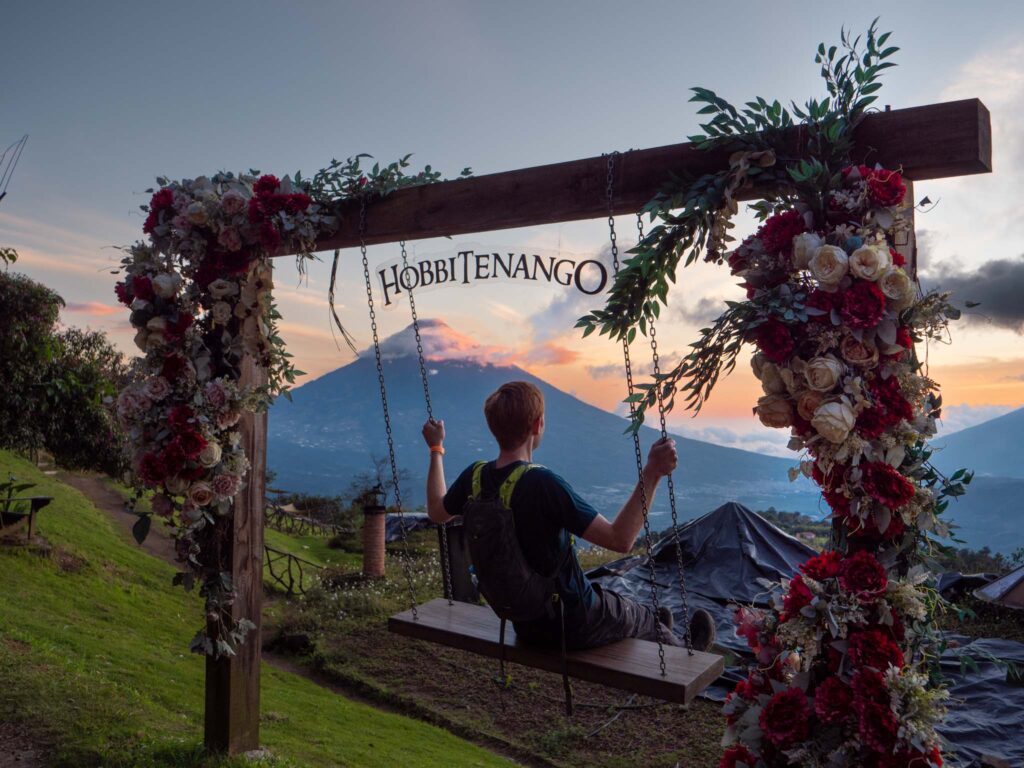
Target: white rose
x=822 y=373
x=157 y=325
x=869 y=262
x=176 y=486
x=221 y=312
x=166 y=284
x=220 y=288
x=771 y=379
x=197 y=215
x=774 y=411
x=898 y=287
x=828 y=266
x=834 y=421
x=200 y=493
x=805 y=245
x=210 y=455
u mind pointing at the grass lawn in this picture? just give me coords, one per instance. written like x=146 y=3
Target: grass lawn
x=94 y=662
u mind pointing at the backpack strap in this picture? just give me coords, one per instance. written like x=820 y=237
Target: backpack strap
x=507 y=487
x=478 y=473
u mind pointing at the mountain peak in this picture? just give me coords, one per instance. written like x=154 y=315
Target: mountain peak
x=440 y=342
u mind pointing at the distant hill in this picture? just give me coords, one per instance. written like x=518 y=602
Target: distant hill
x=333 y=426
x=993 y=447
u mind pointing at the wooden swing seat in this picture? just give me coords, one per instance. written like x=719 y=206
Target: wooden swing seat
x=630 y=665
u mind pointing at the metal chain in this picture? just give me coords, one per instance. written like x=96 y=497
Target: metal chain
x=656 y=370
x=445 y=560
x=406 y=557
x=610 y=193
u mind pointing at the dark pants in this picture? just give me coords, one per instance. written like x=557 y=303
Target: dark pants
x=612 y=617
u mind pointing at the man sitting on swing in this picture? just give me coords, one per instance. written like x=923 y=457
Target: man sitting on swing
x=545 y=514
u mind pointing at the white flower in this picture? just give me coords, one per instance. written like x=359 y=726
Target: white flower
x=200 y=493
x=156 y=388
x=774 y=411
x=210 y=455
x=833 y=421
x=166 y=284
x=157 y=325
x=822 y=373
x=197 y=215
x=805 y=245
x=828 y=266
x=220 y=288
x=897 y=287
x=176 y=486
x=221 y=312
x=771 y=381
x=869 y=262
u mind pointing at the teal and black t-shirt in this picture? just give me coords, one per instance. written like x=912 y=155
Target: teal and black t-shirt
x=547 y=512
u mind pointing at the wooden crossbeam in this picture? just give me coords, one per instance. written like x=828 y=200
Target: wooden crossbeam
x=930 y=142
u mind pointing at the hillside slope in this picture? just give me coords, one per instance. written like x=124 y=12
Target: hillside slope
x=94 y=662
x=991 y=448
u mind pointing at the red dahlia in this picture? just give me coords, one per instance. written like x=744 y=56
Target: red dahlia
x=823 y=566
x=897 y=258
x=871 y=701
x=886 y=188
x=785 y=718
x=774 y=340
x=875 y=649
x=886 y=485
x=191 y=443
x=266 y=185
x=142 y=288
x=180 y=417
x=736 y=756
x=832 y=700
x=777 y=233
x=863 y=305
x=797 y=596
x=152 y=470
x=123 y=296
x=862 y=574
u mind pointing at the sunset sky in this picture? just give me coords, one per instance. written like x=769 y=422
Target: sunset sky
x=114 y=94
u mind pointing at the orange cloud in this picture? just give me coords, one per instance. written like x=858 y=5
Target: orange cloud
x=92 y=308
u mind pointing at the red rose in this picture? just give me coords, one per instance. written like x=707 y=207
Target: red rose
x=162 y=199
x=774 y=340
x=832 y=700
x=785 y=718
x=886 y=485
x=270 y=238
x=736 y=756
x=173 y=367
x=777 y=233
x=191 y=443
x=266 y=185
x=823 y=566
x=863 y=305
x=173 y=457
x=176 y=329
x=897 y=258
x=886 y=188
x=911 y=759
x=152 y=471
x=142 y=288
x=862 y=574
x=875 y=649
x=822 y=301
x=797 y=596
x=871 y=701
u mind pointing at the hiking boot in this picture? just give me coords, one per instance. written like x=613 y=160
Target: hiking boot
x=702 y=630
x=665 y=616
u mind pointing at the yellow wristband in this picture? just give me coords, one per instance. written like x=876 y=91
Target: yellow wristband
x=437 y=449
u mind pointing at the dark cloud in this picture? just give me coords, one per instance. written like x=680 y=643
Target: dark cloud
x=642 y=365
x=704 y=312
x=996 y=286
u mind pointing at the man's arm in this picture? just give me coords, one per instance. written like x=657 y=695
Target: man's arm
x=620 y=534
x=433 y=433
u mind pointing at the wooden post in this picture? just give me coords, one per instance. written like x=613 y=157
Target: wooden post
x=233 y=685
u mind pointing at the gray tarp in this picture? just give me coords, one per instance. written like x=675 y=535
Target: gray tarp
x=393 y=525
x=725 y=552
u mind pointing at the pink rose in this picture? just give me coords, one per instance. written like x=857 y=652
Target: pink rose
x=156 y=388
x=200 y=493
x=226 y=485
x=232 y=202
x=230 y=239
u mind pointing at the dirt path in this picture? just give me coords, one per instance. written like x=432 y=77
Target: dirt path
x=95 y=488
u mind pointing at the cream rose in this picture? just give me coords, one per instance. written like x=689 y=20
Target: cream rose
x=822 y=373
x=863 y=354
x=897 y=287
x=805 y=245
x=771 y=379
x=220 y=288
x=221 y=312
x=869 y=262
x=774 y=411
x=828 y=266
x=833 y=421
x=166 y=285
x=176 y=486
x=808 y=403
x=210 y=455
x=200 y=493
x=197 y=214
